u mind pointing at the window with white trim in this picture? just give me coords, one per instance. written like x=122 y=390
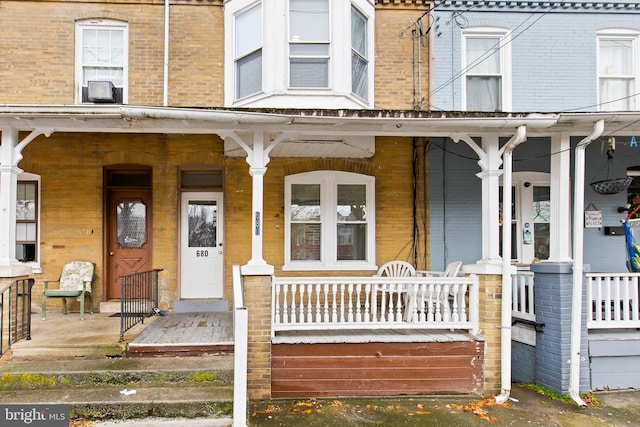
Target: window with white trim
x=486 y=66
x=309 y=43
x=27 y=218
x=618 y=72
x=295 y=56
x=248 y=51
x=101 y=61
x=329 y=221
x=359 y=55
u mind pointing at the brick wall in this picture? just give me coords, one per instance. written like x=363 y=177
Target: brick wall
x=72 y=197
x=40 y=48
x=490 y=321
x=396 y=60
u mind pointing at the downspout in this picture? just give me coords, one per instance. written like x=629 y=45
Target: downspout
x=578 y=268
x=165 y=97
x=505 y=330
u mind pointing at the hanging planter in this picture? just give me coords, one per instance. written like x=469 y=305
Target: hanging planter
x=612 y=186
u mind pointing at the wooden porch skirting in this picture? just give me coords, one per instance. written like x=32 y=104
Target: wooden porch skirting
x=439 y=365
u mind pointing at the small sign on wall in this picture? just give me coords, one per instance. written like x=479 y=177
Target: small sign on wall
x=592 y=219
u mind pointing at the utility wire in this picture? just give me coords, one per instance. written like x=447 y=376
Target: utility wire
x=495 y=48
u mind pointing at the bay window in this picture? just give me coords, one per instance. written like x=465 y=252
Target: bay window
x=291 y=53
x=329 y=220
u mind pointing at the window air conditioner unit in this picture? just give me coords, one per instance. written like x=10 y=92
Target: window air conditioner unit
x=101 y=91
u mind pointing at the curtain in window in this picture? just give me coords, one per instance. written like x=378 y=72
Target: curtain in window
x=483 y=94
x=483 y=74
x=616 y=74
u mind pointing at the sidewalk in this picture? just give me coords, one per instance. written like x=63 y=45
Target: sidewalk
x=526 y=408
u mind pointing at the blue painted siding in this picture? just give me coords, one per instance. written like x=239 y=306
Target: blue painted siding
x=455 y=194
x=553 y=56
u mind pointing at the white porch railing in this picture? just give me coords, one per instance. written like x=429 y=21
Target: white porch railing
x=335 y=303
x=614 y=301
x=522 y=304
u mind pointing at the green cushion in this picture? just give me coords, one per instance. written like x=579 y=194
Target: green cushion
x=57 y=293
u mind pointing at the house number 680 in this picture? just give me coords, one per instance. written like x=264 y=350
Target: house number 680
x=204 y=253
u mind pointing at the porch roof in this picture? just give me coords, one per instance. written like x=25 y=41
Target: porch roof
x=300 y=122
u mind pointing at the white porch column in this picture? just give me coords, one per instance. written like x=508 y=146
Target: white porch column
x=257 y=160
x=490 y=161
x=10 y=156
x=560 y=227
x=8 y=186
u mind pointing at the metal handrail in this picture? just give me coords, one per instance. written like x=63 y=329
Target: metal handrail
x=15 y=313
x=138 y=298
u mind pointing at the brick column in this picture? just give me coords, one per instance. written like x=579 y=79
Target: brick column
x=257 y=291
x=490 y=321
x=553 y=284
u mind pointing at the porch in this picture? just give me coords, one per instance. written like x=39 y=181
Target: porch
x=366 y=336
x=611 y=318
x=98 y=336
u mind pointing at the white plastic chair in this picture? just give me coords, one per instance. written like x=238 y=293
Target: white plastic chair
x=452 y=270
x=396 y=268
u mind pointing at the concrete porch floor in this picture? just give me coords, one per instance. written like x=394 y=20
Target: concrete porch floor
x=66 y=336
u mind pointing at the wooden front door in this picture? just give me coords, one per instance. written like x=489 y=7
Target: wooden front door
x=128 y=236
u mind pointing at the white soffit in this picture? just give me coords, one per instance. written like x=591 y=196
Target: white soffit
x=352 y=147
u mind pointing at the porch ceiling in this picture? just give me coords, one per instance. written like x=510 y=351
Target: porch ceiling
x=305 y=123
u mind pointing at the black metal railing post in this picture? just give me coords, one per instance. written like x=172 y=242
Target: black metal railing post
x=138 y=298
x=15 y=313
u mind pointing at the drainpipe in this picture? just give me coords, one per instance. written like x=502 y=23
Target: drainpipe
x=505 y=343
x=578 y=268
x=165 y=100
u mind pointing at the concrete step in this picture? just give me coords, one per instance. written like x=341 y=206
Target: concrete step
x=123 y=388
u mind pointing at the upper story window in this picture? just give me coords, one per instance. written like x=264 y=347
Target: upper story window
x=618 y=72
x=359 y=56
x=101 y=61
x=486 y=65
x=309 y=43
x=329 y=221
x=248 y=51
x=290 y=53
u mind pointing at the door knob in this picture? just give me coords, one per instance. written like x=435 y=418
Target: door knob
x=111 y=254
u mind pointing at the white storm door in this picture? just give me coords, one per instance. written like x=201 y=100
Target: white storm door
x=201 y=261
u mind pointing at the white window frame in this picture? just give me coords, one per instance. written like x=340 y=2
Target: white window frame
x=30 y=177
x=79 y=65
x=505 y=62
x=363 y=56
x=634 y=78
x=276 y=91
x=239 y=56
x=300 y=57
x=329 y=181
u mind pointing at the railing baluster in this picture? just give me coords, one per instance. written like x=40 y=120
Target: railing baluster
x=375 y=302
x=15 y=313
x=138 y=298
